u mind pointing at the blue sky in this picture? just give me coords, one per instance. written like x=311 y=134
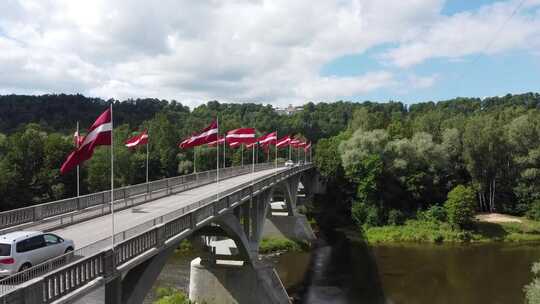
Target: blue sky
x=474 y=75
x=278 y=52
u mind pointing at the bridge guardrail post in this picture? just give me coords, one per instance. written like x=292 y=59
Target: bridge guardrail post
x=79 y=205
x=192 y=220
x=109 y=264
x=160 y=236
x=38 y=213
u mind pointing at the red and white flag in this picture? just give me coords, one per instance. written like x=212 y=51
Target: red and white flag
x=137 y=140
x=283 y=142
x=301 y=144
x=307 y=147
x=99 y=134
x=207 y=135
x=294 y=143
x=268 y=139
x=249 y=146
x=220 y=141
x=242 y=135
x=235 y=145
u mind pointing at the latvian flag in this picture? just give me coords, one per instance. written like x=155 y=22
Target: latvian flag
x=268 y=139
x=208 y=135
x=137 y=140
x=283 y=142
x=235 y=145
x=99 y=134
x=242 y=135
x=307 y=147
x=220 y=141
x=295 y=143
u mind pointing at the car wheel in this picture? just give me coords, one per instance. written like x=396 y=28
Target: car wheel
x=68 y=250
x=25 y=266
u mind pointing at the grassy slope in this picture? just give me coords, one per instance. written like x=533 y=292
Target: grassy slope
x=421 y=231
x=275 y=244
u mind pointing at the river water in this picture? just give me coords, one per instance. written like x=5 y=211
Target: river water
x=341 y=271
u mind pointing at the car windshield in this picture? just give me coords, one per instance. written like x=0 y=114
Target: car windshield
x=5 y=250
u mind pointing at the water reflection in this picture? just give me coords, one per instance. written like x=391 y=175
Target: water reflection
x=486 y=273
x=349 y=272
x=341 y=272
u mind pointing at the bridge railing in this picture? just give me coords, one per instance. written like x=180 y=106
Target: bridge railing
x=134 y=242
x=75 y=209
x=9 y=283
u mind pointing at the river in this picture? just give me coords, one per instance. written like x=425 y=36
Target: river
x=340 y=271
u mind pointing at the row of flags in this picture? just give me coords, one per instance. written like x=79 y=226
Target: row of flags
x=100 y=134
x=235 y=138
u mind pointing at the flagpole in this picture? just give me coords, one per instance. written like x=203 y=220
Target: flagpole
x=252 y=162
x=147 y=144
x=275 y=151
x=112 y=177
x=242 y=149
x=78 y=176
x=217 y=158
x=194 y=159
x=224 y=146
x=290 y=151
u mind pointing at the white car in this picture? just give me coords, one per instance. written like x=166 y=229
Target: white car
x=24 y=249
x=289 y=163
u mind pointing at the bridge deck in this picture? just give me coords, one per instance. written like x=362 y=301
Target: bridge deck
x=96 y=229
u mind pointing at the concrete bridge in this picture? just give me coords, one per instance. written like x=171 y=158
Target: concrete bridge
x=228 y=219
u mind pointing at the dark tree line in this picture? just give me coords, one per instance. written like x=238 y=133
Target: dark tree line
x=36 y=136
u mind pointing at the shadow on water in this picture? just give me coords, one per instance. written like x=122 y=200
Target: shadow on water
x=341 y=272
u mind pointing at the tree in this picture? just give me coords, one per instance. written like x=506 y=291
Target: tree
x=460 y=207
x=327 y=157
x=487 y=159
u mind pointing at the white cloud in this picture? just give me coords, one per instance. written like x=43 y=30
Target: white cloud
x=472 y=33
x=193 y=51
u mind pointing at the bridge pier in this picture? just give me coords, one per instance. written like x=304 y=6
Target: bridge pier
x=286 y=221
x=235 y=282
x=294 y=227
x=232 y=272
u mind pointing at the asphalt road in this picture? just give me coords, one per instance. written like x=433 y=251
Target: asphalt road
x=93 y=230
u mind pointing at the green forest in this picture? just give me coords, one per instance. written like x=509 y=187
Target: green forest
x=385 y=161
x=435 y=163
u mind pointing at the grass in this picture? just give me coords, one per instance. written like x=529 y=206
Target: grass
x=276 y=244
x=184 y=248
x=168 y=295
x=437 y=232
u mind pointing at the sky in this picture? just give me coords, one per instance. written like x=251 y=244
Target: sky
x=275 y=52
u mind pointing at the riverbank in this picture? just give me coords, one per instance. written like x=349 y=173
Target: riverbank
x=280 y=244
x=485 y=229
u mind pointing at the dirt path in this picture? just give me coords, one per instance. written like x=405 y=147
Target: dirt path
x=497 y=218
